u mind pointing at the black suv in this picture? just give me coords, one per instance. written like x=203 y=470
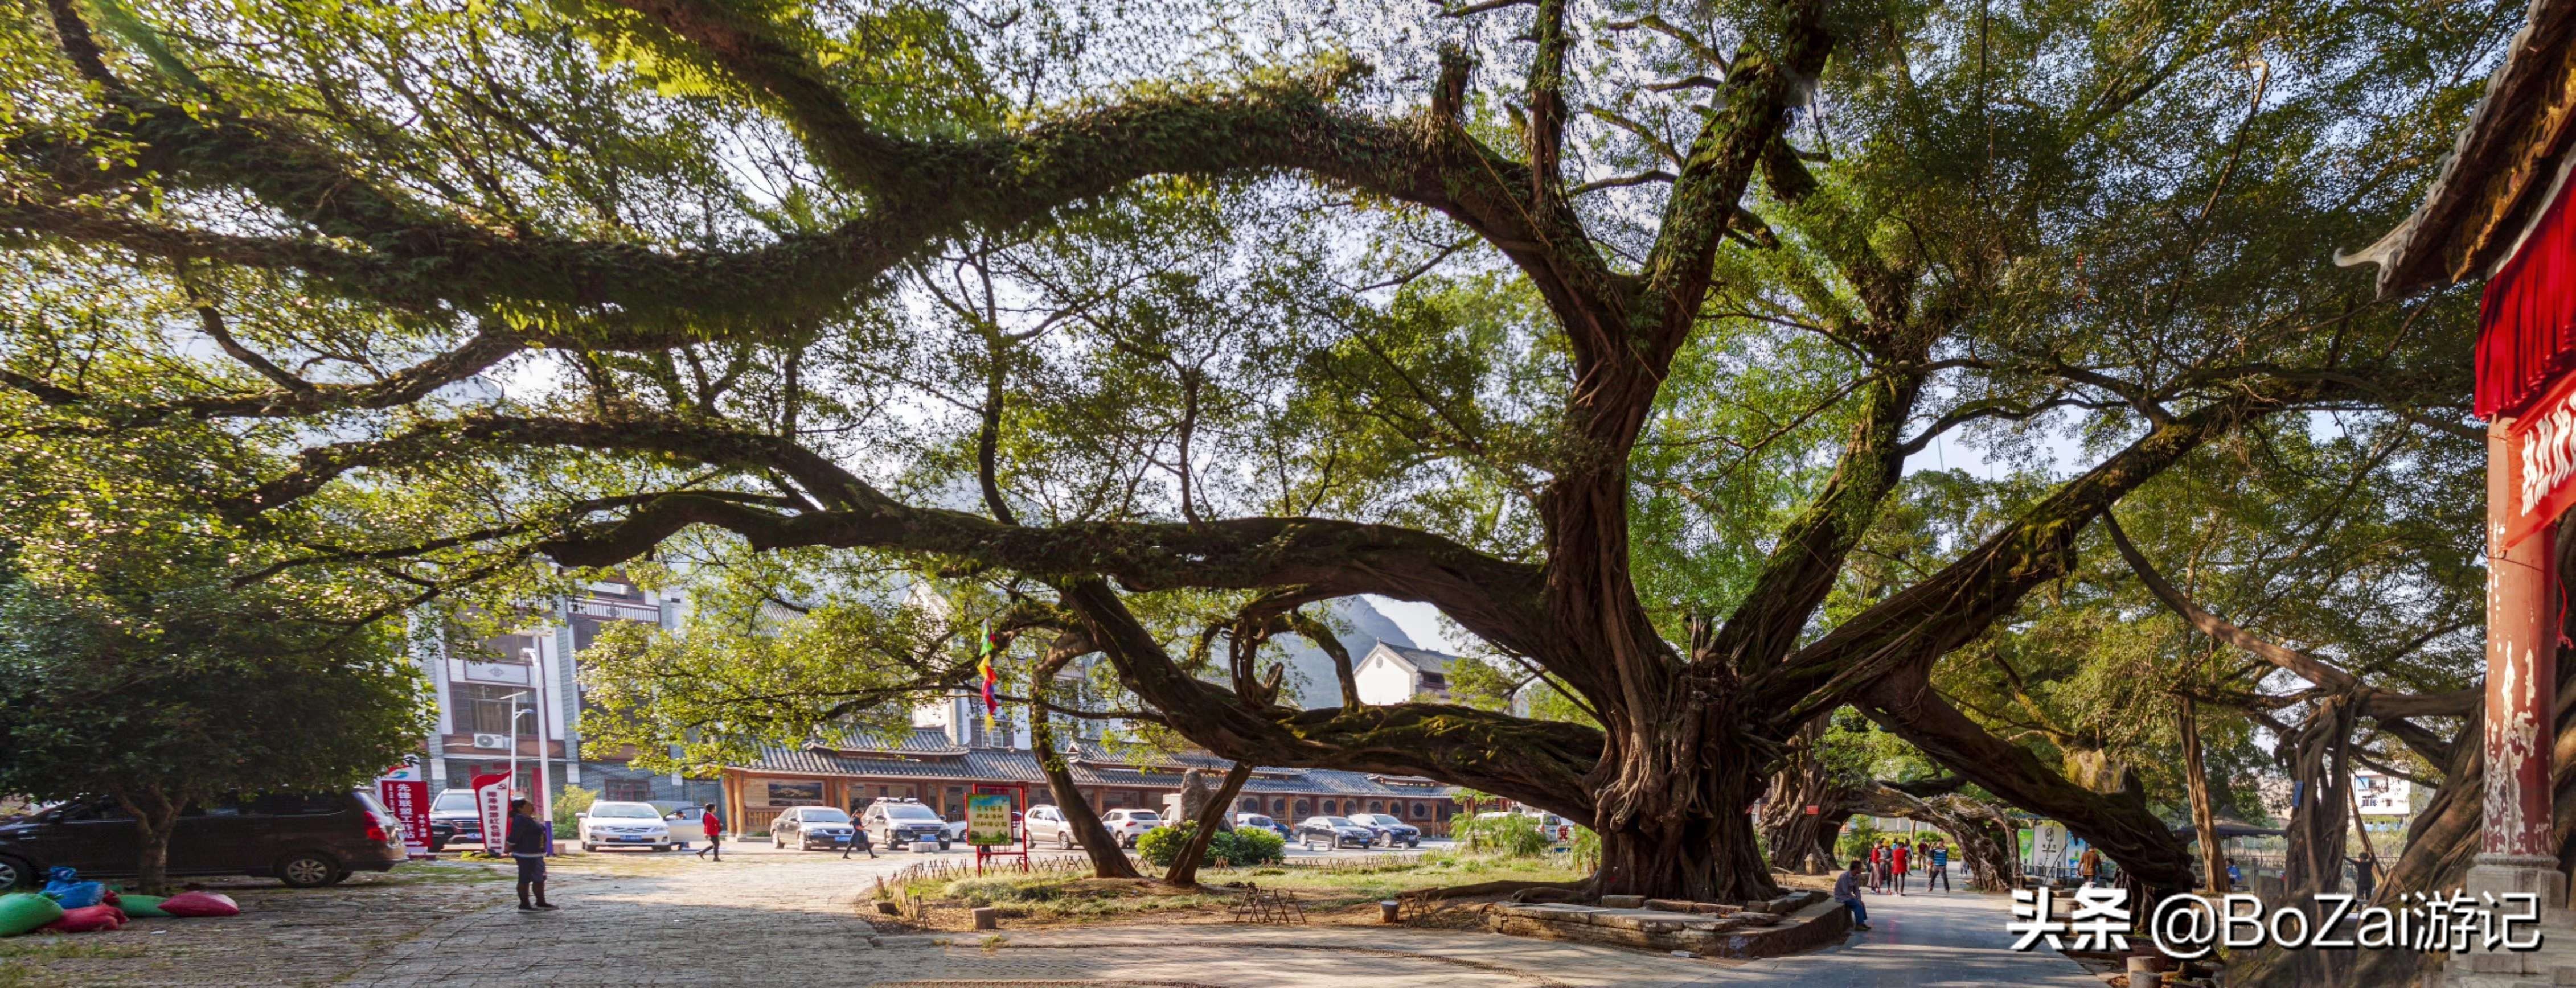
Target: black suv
x=302 y=839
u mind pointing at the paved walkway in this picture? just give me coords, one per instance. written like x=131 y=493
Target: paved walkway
x=777 y=921
x=1924 y=939
x=794 y=919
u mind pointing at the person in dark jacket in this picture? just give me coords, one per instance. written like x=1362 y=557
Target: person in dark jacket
x=527 y=844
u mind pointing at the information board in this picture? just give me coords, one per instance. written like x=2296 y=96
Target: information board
x=988 y=819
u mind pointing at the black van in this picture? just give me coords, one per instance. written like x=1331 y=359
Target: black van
x=302 y=839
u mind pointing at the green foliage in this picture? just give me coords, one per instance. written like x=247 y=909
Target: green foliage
x=1510 y=835
x=1855 y=842
x=569 y=805
x=1162 y=845
x=1242 y=847
x=1245 y=847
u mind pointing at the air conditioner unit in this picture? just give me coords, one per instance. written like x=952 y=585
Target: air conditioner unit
x=491 y=740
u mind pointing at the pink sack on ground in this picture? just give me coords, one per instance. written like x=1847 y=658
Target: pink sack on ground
x=88 y=919
x=196 y=904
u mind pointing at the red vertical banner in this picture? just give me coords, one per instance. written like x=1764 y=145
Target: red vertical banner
x=492 y=800
x=404 y=789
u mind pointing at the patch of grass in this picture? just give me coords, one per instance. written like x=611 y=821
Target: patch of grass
x=995 y=940
x=1339 y=884
x=55 y=950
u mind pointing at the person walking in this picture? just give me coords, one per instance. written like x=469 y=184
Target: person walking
x=715 y=833
x=858 y=841
x=526 y=839
x=1937 y=867
x=1896 y=866
x=1847 y=892
x=2089 y=867
x=1875 y=877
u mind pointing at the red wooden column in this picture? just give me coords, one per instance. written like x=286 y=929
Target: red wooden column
x=2522 y=667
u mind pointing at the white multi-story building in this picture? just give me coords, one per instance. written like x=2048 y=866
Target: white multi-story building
x=529 y=673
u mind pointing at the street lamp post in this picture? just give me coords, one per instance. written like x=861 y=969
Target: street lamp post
x=515 y=714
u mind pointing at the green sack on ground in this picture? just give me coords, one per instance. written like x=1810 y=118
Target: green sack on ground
x=24 y=911
x=139 y=906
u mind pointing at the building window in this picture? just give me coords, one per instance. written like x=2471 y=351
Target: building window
x=1421 y=810
x=1279 y=806
x=626 y=791
x=1434 y=682
x=1377 y=806
x=482 y=708
x=1328 y=808
x=1304 y=809
x=1446 y=809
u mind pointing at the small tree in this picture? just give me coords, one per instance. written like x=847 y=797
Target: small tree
x=163 y=700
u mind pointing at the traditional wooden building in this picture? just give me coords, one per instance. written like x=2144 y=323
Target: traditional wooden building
x=931 y=766
x=2499 y=213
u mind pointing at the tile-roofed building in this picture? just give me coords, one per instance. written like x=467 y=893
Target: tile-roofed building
x=1392 y=673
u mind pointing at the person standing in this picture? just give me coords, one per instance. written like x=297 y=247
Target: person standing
x=1847 y=892
x=1896 y=865
x=1937 y=867
x=1877 y=851
x=526 y=840
x=2364 y=880
x=715 y=833
x=2089 y=867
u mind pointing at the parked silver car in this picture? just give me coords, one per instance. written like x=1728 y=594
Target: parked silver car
x=895 y=824
x=1046 y=825
x=808 y=827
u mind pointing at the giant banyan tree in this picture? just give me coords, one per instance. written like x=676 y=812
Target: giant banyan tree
x=1616 y=332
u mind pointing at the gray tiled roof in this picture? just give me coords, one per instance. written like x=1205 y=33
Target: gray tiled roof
x=1421 y=659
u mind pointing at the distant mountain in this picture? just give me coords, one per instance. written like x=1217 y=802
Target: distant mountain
x=1310 y=671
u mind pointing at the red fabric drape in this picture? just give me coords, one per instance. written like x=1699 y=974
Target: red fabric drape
x=2527 y=321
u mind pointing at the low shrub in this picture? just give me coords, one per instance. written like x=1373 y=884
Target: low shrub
x=1508 y=835
x=1243 y=847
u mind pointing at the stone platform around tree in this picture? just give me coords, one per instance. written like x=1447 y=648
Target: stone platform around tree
x=1783 y=926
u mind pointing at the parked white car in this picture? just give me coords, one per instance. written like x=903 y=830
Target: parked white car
x=624 y=825
x=1127 y=825
x=1047 y=825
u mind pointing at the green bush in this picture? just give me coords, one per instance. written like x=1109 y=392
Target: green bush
x=1511 y=835
x=1247 y=847
x=570 y=803
x=1243 y=847
x=1161 y=845
x=1855 y=843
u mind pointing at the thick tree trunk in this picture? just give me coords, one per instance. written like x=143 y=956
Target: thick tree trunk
x=155 y=815
x=1691 y=838
x=2195 y=777
x=2321 y=774
x=1800 y=841
x=1185 y=867
x=1107 y=861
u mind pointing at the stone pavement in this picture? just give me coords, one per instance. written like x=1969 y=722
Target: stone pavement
x=794 y=919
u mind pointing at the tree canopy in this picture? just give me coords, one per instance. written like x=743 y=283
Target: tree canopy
x=1618 y=332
